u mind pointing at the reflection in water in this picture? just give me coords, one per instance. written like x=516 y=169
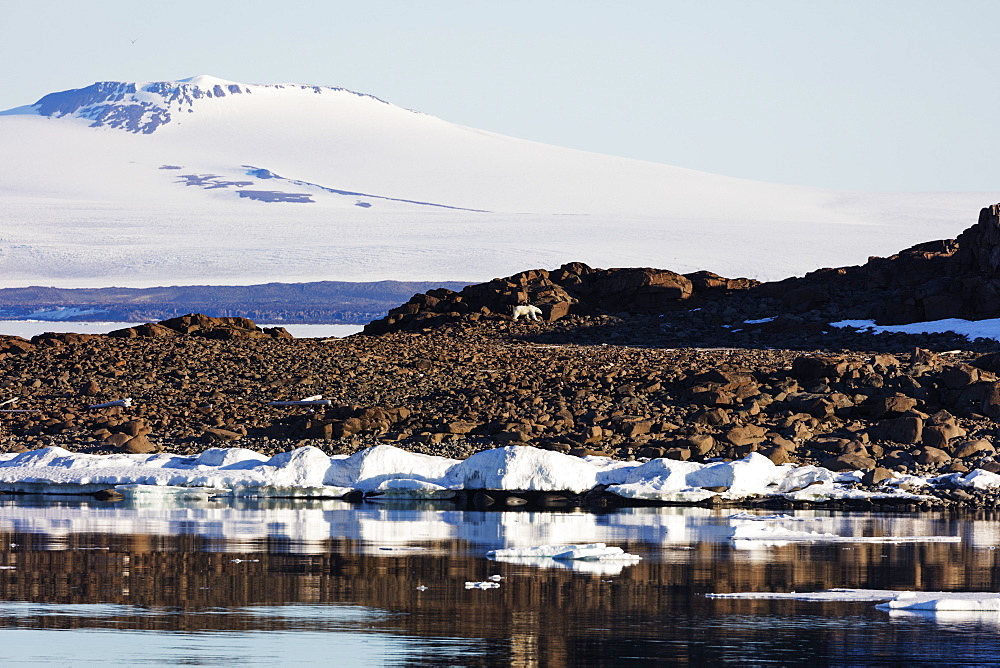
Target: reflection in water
x=278 y=583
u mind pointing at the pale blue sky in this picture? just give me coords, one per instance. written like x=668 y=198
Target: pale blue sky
x=870 y=95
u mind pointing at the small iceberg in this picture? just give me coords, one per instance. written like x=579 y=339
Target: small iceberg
x=587 y=552
x=889 y=600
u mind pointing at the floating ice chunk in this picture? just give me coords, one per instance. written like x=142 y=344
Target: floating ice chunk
x=539 y=550
x=768 y=534
x=945 y=602
x=846 y=595
x=613 y=567
x=764 y=533
x=750 y=517
x=585 y=552
x=937 y=601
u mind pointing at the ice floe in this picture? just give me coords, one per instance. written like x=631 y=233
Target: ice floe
x=389 y=472
x=926 y=601
x=762 y=534
x=595 y=558
x=586 y=552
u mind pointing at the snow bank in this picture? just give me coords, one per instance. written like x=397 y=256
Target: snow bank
x=970 y=329
x=387 y=471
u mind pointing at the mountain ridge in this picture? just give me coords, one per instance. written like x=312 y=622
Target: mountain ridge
x=143 y=107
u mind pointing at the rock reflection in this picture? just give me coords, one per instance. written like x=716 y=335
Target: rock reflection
x=282 y=576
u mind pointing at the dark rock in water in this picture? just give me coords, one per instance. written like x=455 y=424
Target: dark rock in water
x=482 y=500
x=109 y=495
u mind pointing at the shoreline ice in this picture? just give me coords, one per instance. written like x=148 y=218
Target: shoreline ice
x=392 y=473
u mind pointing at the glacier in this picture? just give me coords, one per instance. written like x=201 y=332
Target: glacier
x=203 y=180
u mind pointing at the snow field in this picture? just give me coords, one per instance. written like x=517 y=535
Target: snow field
x=87 y=206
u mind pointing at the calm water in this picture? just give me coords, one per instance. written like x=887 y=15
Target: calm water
x=323 y=582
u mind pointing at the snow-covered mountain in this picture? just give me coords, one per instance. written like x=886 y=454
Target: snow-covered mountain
x=204 y=180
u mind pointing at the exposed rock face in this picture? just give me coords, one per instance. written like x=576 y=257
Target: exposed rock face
x=573 y=289
x=934 y=280
x=198 y=324
x=979 y=246
x=948 y=278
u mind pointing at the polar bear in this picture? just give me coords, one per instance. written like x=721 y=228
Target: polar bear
x=530 y=311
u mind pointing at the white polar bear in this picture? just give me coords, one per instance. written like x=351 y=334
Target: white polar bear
x=530 y=311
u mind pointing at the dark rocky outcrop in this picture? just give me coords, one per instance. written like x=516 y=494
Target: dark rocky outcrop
x=949 y=278
x=198 y=324
x=573 y=289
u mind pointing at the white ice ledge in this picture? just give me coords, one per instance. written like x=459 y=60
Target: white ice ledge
x=391 y=472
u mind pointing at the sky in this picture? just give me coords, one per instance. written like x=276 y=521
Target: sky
x=881 y=95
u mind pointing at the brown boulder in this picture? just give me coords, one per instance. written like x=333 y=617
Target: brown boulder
x=933 y=456
x=900 y=430
x=970 y=448
x=90 y=389
x=852 y=462
x=750 y=434
x=217 y=434
x=138 y=445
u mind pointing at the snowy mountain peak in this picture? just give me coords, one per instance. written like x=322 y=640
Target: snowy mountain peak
x=207 y=81
x=143 y=107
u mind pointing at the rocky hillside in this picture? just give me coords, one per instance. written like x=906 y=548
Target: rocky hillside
x=951 y=278
x=626 y=363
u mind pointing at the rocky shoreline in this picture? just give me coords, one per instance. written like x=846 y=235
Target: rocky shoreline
x=631 y=364
x=471 y=386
